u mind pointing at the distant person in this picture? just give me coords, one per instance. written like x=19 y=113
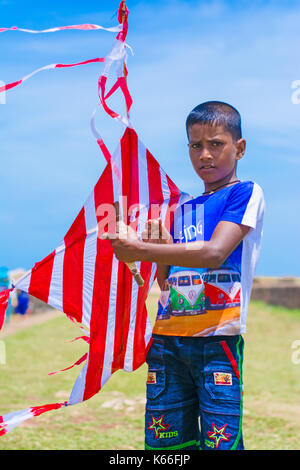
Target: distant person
x=195 y=359
x=22 y=306
x=5 y=284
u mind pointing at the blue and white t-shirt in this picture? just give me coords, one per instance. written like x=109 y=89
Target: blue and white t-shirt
x=205 y=302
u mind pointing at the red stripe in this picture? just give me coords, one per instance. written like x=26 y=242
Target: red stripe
x=172 y=187
x=127 y=96
x=154 y=180
x=73 y=267
x=103 y=193
x=10 y=85
x=104 y=150
x=139 y=346
x=40 y=278
x=77 y=363
x=4 y=298
x=130 y=171
x=101 y=92
x=122 y=318
x=98 y=59
x=108 y=158
x=38 y=410
x=112 y=90
x=173 y=203
x=231 y=358
x=130 y=189
x=2 y=428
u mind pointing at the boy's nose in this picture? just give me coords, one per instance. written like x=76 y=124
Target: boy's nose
x=205 y=155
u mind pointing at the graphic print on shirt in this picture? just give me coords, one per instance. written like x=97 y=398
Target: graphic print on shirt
x=201 y=301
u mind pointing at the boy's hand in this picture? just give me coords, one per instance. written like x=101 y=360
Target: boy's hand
x=156 y=232
x=128 y=248
x=125 y=243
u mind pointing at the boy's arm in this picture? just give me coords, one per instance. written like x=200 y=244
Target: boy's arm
x=208 y=254
x=162 y=274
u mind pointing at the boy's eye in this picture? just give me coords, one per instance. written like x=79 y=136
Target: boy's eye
x=217 y=143
x=198 y=146
x=195 y=146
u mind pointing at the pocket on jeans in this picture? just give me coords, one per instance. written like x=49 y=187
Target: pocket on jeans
x=230 y=391
x=156 y=382
x=220 y=379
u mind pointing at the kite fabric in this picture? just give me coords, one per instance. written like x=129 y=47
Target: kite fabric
x=83 y=278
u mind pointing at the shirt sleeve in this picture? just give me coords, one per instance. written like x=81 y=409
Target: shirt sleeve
x=245 y=204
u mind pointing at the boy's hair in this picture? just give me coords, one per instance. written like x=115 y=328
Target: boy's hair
x=216 y=113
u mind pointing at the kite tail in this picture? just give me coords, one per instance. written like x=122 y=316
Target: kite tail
x=4 y=298
x=12 y=420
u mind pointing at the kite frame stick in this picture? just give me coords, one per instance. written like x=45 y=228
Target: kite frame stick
x=121 y=227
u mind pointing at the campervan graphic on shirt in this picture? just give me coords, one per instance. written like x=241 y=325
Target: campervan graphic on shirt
x=222 y=288
x=186 y=293
x=202 y=301
x=199 y=300
x=182 y=294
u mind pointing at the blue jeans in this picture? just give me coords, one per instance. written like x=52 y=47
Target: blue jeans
x=194 y=393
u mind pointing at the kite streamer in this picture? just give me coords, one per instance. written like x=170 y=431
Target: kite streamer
x=8 y=86
x=84 y=27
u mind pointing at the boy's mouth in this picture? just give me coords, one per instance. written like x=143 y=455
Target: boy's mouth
x=207 y=167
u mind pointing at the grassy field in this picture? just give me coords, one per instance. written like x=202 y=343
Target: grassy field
x=114 y=419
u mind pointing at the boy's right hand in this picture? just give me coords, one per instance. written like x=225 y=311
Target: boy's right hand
x=156 y=232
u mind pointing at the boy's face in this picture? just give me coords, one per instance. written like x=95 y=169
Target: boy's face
x=214 y=153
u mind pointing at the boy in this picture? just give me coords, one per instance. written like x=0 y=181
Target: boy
x=205 y=270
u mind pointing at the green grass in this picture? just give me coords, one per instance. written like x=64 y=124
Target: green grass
x=114 y=419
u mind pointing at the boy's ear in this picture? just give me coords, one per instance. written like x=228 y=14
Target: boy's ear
x=240 y=148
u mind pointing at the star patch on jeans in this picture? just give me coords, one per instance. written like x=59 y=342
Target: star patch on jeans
x=218 y=435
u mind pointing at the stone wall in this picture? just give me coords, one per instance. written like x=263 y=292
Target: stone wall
x=284 y=292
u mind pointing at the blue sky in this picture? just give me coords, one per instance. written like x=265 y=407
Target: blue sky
x=245 y=53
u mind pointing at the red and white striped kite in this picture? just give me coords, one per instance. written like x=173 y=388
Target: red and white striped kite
x=82 y=277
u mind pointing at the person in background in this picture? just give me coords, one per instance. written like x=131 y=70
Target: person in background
x=5 y=284
x=22 y=306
